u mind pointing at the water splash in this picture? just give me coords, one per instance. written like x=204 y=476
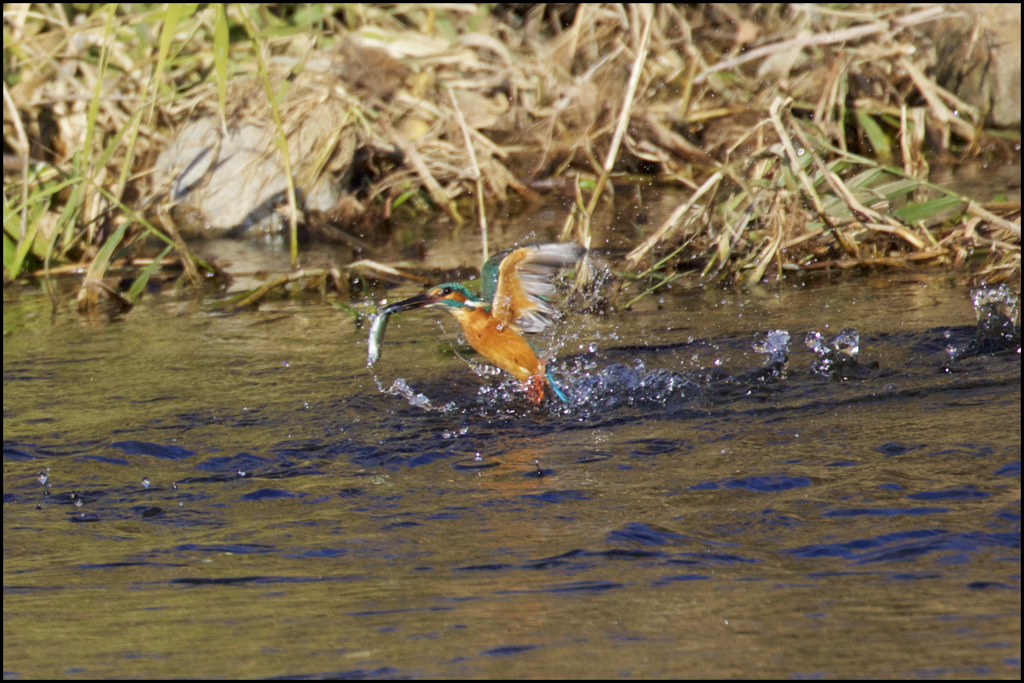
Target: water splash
x=837 y=359
x=400 y=388
x=618 y=385
x=816 y=343
x=995 y=300
x=775 y=346
x=996 y=311
x=847 y=345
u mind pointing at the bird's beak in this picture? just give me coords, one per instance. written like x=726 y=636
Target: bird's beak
x=418 y=301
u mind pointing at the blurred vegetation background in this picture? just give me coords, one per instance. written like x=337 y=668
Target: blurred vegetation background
x=799 y=137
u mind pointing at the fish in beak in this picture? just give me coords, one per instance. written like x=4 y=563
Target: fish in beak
x=380 y=320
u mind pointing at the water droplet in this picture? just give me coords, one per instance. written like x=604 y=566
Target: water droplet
x=241 y=473
x=476 y=456
x=42 y=478
x=78 y=503
x=145 y=482
x=284 y=363
x=847 y=343
x=814 y=342
x=592 y=347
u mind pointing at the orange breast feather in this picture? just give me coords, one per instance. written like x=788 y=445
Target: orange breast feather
x=499 y=344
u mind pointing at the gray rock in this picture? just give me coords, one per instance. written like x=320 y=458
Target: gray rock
x=979 y=58
x=234 y=179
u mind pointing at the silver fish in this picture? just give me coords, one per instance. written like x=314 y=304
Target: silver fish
x=380 y=321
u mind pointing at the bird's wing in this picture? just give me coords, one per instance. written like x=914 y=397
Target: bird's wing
x=524 y=283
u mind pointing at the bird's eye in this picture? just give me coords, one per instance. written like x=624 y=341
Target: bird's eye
x=447 y=290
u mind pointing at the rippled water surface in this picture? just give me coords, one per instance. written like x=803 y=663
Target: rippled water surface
x=687 y=515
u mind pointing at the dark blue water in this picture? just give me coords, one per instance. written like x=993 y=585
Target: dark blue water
x=694 y=510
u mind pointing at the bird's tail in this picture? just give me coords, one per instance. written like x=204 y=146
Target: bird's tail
x=557 y=389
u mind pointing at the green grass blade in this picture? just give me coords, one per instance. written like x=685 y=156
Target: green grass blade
x=220 y=58
x=925 y=210
x=99 y=265
x=23 y=246
x=351 y=310
x=864 y=178
x=94 y=103
x=10 y=235
x=40 y=193
x=9 y=249
x=876 y=136
x=139 y=286
x=26 y=245
x=116 y=139
x=897 y=188
x=171 y=16
x=281 y=140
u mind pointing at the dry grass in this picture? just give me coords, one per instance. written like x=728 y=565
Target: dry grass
x=800 y=135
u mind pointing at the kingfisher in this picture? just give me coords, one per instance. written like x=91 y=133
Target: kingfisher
x=514 y=299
